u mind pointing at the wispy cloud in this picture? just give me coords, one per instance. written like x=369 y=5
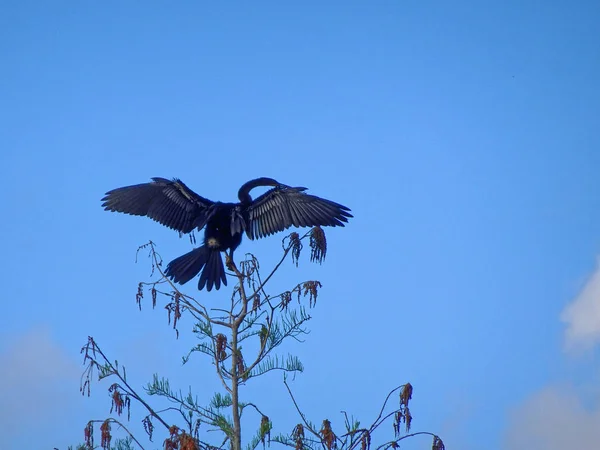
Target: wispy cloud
x=553 y=419
x=563 y=416
x=582 y=316
x=38 y=384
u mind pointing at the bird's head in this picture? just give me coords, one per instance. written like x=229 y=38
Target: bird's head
x=264 y=181
x=244 y=192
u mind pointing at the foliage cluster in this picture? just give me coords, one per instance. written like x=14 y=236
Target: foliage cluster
x=262 y=322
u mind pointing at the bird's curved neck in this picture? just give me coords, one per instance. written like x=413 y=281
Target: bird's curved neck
x=244 y=192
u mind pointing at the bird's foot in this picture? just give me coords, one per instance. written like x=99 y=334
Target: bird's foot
x=229 y=262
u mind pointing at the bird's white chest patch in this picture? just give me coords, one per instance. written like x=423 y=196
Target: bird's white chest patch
x=213 y=242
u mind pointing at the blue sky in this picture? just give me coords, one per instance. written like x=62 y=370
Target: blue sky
x=463 y=135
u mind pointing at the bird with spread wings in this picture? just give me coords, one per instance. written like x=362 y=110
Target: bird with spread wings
x=173 y=204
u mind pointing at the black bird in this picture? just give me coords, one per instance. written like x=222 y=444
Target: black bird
x=173 y=204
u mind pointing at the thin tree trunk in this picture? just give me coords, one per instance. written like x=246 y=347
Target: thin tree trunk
x=236 y=440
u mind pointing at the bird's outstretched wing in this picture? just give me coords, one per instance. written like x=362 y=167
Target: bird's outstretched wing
x=284 y=206
x=170 y=203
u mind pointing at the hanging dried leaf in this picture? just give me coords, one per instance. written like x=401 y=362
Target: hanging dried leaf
x=179 y=440
x=406 y=394
x=407 y=419
x=148 y=426
x=221 y=352
x=105 y=435
x=365 y=440
x=311 y=288
x=88 y=434
x=397 y=421
x=298 y=436
x=174 y=307
x=119 y=401
x=437 y=444
x=318 y=245
x=327 y=435
x=241 y=365
x=256 y=302
x=139 y=295
x=286 y=298
x=296 y=246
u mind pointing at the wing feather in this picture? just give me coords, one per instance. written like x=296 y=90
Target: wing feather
x=284 y=206
x=169 y=202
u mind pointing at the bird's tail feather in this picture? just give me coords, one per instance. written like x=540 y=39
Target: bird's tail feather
x=213 y=272
x=183 y=269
